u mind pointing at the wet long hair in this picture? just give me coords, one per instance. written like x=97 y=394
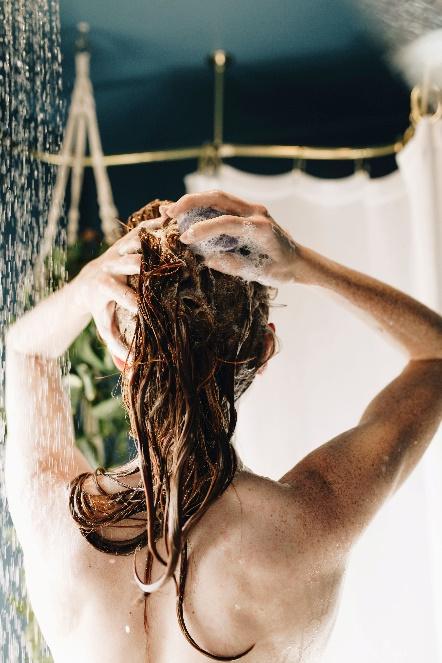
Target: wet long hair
x=198 y=341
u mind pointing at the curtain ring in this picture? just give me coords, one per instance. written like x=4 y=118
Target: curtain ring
x=438 y=112
x=209 y=159
x=298 y=164
x=416 y=113
x=359 y=165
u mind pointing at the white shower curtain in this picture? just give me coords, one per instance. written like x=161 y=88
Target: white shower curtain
x=330 y=366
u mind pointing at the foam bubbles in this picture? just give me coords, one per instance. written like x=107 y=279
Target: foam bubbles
x=249 y=259
x=196 y=214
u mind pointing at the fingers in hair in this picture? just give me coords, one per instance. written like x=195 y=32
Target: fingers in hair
x=214 y=197
x=224 y=262
x=122 y=294
x=108 y=330
x=129 y=263
x=131 y=242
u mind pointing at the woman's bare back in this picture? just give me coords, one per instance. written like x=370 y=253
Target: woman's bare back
x=255 y=576
x=266 y=560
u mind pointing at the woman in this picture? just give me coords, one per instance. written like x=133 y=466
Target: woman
x=261 y=561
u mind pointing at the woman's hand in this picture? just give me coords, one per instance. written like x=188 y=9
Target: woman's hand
x=265 y=252
x=102 y=283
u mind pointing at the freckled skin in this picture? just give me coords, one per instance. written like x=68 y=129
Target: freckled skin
x=266 y=561
x=256 y=574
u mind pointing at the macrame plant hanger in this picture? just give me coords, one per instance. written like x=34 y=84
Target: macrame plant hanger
x=81 y=128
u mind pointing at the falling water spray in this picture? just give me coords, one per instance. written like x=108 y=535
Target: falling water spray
x=31 y=118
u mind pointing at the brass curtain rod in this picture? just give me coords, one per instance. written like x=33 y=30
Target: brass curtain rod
x=227 y=150
x=217 y=150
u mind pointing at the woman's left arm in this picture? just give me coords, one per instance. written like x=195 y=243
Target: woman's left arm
x=51 y=327
x=40 y=447
x=40 y=432
x=40 y=444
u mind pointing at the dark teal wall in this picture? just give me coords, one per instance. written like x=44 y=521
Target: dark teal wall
x=309 y=71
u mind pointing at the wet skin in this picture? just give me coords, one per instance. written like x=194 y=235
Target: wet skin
x=266 y=561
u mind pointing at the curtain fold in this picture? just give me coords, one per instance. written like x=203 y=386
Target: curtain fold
x=332 y=363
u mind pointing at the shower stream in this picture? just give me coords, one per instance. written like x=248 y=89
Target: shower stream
x=31 y=119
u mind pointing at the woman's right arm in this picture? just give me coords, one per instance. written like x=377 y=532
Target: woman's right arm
x=413 y=326
x=365 y=465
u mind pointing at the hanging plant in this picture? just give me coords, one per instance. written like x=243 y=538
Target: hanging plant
x=100 y=421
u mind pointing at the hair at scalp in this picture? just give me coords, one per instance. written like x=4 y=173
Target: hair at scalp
x=199 y=339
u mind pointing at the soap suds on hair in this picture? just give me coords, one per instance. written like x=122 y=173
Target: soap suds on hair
x=248 y=253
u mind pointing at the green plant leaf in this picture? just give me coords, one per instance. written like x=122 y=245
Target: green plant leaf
x=82 y=349
x=89 y=450
x=98 y=443
x=107 y=408
x=75 y=384
x=85 y=373
x=108 y=361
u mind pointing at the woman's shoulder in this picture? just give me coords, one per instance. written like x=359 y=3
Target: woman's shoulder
x=275 y=524
x=255 y=519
